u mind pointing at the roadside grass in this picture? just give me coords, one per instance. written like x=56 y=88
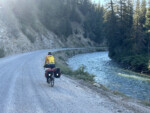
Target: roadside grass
x=119 y=93
x=79 y=73
x=104 y=88
x=61 y=58
x=146 y=103
x=2 y=52
x=101 y=86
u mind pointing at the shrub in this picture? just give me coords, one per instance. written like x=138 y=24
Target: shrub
x=79 y=73
x=146 y=103
x=64 y=68
x=2 y=52
x=137 y=62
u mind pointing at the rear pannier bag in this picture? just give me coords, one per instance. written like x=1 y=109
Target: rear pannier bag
x=49 y=74
x=57 y=73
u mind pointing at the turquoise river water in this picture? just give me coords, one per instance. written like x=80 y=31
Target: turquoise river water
x=112 y=76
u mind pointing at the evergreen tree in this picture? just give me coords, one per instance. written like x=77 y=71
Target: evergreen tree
x=94 y=24
x=148 y=19
x=143 y=13
x=126 y=27
x=111 y=30
x=136 y=27
x=147 y=24
x=130 y=14
x=129 y=41
x=142 y=35
x=137 y=13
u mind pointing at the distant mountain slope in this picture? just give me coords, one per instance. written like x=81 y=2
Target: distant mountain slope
x=27 y=25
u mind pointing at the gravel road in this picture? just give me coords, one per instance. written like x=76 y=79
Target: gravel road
x=23 y=89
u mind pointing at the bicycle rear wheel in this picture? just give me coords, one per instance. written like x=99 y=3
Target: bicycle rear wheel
x=52 y=82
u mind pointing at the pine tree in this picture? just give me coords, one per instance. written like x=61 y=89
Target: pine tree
x=142 y=18
x=143 y=13
x=147 y=24
x=127 y=26
x=111 y=29
x=94 y=24
x=137 y=13
x=130 y=13
x=136 y=26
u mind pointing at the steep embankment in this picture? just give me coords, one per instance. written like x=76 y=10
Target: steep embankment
x=22 y=29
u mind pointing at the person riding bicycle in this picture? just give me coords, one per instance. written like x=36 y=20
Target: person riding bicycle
x=49 y=61
x=51 y=72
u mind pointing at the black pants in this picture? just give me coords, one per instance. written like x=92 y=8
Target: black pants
x=50 y=66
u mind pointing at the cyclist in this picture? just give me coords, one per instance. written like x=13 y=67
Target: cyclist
x=49 y=61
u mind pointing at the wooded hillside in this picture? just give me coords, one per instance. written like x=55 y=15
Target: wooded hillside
x=128 y=33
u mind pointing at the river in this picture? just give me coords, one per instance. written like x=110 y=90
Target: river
x=109 y=74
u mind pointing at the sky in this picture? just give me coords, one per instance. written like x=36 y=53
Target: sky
x=103 y=1
x=97 y=1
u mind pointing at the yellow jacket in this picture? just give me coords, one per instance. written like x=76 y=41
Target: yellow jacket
x=49 y=59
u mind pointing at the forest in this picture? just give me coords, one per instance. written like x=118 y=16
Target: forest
x=123 y=24
x=128 y=33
